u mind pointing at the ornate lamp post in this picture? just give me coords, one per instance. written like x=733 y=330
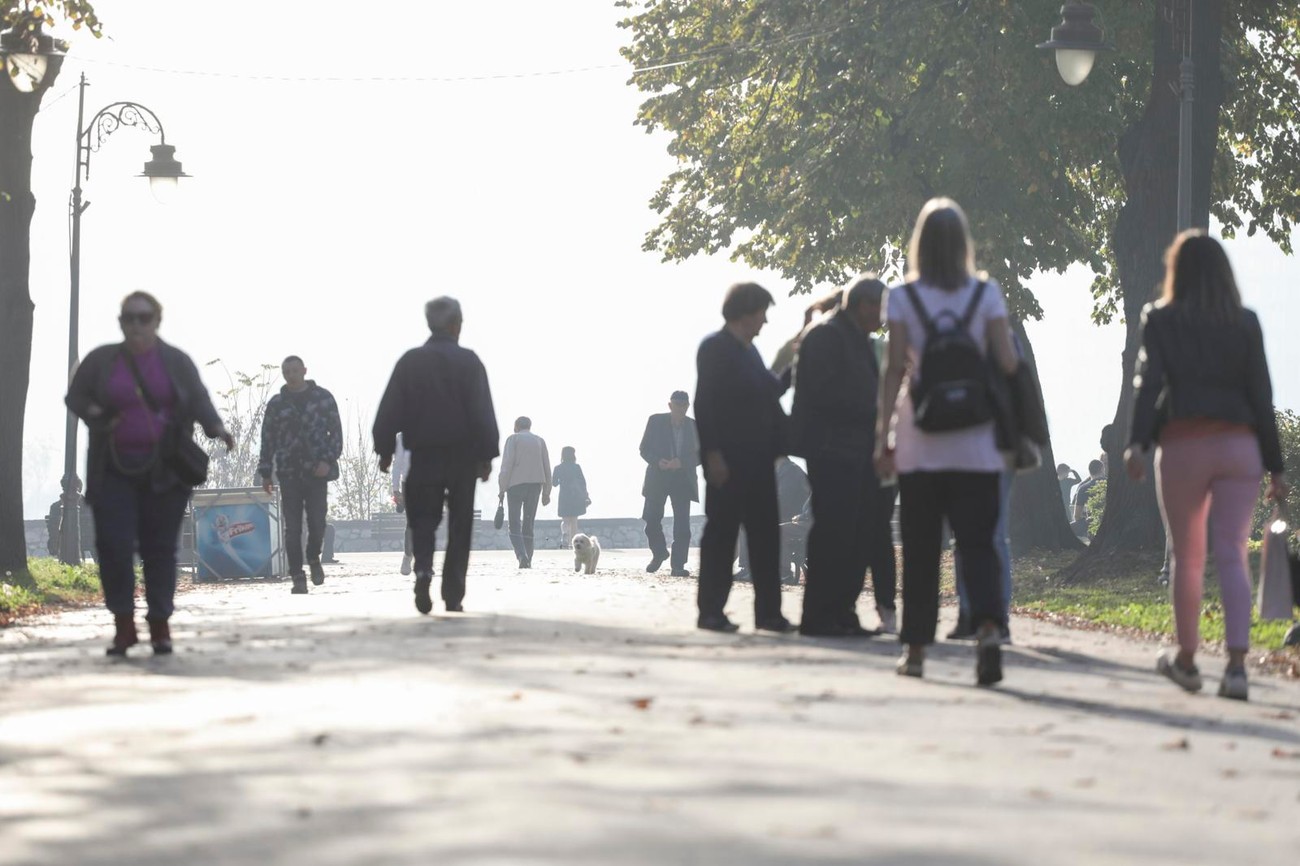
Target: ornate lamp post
x=1076 y=41
x=163 y=170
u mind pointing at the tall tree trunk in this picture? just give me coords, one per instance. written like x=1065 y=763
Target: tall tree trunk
x=17 y=113
x=1147 y=223
x=1037 y=518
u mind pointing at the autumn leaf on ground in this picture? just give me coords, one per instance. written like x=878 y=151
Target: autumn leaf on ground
x=641 y=703
x=517 y=696
x=1180 y=744
x=1286 y=753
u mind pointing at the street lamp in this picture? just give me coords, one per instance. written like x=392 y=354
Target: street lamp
x=1076 y=41
x=27 y=52
x=163 y=170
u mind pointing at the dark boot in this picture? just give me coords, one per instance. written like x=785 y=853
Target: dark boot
x=125 y=636
x=299 y=584
x=160 y=635
x=317 y=572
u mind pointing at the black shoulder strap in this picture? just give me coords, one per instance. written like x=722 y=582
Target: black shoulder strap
x=926 y=322
x=140 y=388
x=969 y=315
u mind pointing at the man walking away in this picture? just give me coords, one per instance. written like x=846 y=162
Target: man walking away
x=670 y=447
x=401 y=468
x=302 y=439
x=438 y=399
x=525 y=476
x=833 y=419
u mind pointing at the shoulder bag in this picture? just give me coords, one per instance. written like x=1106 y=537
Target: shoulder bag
x=179 y=453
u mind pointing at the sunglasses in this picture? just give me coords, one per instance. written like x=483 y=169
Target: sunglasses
x=137 y=318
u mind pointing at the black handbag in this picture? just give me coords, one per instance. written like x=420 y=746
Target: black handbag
x=179 y=453
x=499 y=519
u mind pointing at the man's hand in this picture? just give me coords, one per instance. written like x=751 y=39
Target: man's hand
x=675 y=463
x=485 y=471
x=227 y=439
x=663 y=463
x=399 y=501
x=546 y=498
x=266 y=485
x=385 y=463
x=322 y=469
x=716 y=470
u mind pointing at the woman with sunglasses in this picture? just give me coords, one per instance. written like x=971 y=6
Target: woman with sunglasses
x=130 y=394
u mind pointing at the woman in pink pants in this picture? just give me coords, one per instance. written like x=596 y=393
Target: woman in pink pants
x=1204 y=397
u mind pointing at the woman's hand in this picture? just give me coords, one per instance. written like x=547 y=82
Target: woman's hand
x=886 y=467
x=716 y=471
x=1135 y=461
x=1277 y=488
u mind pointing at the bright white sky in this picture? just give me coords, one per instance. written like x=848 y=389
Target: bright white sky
x=322 y=215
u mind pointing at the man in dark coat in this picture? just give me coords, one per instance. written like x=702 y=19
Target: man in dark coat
x=833 y=423
x=438 y=399
x=742 y=430
x=670 y=447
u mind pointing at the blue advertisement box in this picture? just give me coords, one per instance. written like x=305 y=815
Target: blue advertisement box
x=235 y=535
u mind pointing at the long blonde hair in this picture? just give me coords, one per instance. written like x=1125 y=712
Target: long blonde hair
x=941 y=253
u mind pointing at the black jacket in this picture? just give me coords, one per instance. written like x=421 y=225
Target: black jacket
x=658 y=443
x=836 y=378
x=737 y=402
x=1193 y=367
x=89 y=387
x=438 y=399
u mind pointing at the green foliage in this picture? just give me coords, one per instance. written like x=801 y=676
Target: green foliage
x=1288 y=430
x=1096 y=504
x=47 y=581
x=29 y=16
x=242 y=405
x=808 y=133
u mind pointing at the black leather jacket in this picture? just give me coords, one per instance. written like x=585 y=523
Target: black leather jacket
x=1193 y=367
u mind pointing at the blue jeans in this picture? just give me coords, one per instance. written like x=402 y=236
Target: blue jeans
x=129 y=516
x=1001 y=543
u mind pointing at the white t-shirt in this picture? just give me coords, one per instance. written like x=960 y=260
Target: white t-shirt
x=975 y=448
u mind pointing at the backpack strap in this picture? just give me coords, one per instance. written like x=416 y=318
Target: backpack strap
x=926 y=322
x=969 y=315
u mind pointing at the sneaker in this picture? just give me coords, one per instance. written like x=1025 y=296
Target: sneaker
x=1234 y=684
x=423 y=603
x=406 y=564
x=888 y=620
x=910 y=665
x=655 y=561
x=299 y=584
x=988 y=658
x=1187 y=678
x=717 y=622
x=317 y=572
x=778 y=624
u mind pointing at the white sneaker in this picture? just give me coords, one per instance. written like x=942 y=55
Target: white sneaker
x=406 y=564
x=1188 y=678
x=888 y=620
x=1234 y=684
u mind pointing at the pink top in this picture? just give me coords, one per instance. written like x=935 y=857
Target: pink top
x=973 y=449
x=138 y=429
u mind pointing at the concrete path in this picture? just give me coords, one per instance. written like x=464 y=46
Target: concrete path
x=567 y=719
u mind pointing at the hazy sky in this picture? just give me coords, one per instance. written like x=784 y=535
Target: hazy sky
x=322 y=214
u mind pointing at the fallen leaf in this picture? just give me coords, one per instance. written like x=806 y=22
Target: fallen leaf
x=319 y=739
x=517 y=696
x=641 y=703
x=1180 y=744
x=1229 y=773
x=1040 y=794
x=1085 y=783
x=579 y=757
x=1286 y=753
x=1281 y=715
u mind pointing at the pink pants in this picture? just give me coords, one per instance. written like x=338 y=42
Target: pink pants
x=1216 y=476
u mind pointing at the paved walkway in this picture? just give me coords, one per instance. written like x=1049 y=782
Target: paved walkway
x=567 y=719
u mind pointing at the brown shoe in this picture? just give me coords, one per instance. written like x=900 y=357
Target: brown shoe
x=125 y=635
x=160 y=635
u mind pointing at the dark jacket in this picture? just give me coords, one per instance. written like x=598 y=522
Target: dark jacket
x=438 y=399
x=658 y=443
x=1193 y=367
x=572 y=484
x=89 y=387
x=300 y=430
x=836 y=378
x=737 y=402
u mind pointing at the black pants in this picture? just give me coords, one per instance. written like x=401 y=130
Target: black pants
x=970 y=502
x=521 y=505
x=653 y=515
x=883 y=558
x=845 y=496
x=130 y=514
x=296 y=495
x=436 y=480
x=748 y=498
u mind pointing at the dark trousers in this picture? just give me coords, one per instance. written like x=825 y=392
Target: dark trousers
x=969 y=500
x=521 y=505
x=653 y=515
x=130 y=515
x=883 y=558
x=298 y=495
x=436 y=480
x=748 y=498
x=845 y=495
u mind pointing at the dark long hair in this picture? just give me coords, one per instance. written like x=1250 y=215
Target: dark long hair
x=1198 y=277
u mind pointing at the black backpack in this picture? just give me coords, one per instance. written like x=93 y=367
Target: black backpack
x=952 y=391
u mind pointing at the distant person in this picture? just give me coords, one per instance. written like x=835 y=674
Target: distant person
x=573 y=496
x=54 y=525
x=1066 y=478
x=1203 y=359
x=438 y=399
x=948 y=331
x=784 y=360
x=135 y=396
x=741 y=427
x=792 y=497
x=400 y=470
x=833 y=420
x=302 y=440
x=670 y=447
x=1081 y=514
x=525 y=478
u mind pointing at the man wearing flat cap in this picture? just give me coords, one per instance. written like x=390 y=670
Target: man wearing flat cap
x=671 y=449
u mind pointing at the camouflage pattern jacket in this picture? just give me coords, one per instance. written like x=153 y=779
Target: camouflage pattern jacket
x=300 y=430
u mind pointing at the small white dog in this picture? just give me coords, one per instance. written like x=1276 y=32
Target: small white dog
x=586 y=552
